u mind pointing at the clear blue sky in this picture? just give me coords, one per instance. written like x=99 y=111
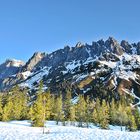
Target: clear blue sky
x=27 y=26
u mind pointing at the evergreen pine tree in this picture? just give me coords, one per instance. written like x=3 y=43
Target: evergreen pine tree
x=104 y=121
x=132 y=124
x=24 y=106
x=72 y=116
x=19 y=100
x=31 y=113
x=59 y=114
x=17 y=107
x=113 y=112
x=38 y=112
x=39 y=108
x=81 y=110
x=52 y=107
x=67 y=105
x=95 y=117
x=88 y=114
x=7 y=110
x=137 y=118
x=97 y=112
x=121 y=117
x=48 y=105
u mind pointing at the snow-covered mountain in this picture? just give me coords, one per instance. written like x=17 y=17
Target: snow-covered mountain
x=116 y=65
x=10 y=67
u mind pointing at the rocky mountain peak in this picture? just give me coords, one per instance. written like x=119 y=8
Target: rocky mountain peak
x=101 y=42
x=113 y=46
x=127 y=47
x=79 y=45
x=10 y=67
x=33 y=61
x=124 y=43
x=111 y=42
x=138 y=44
x=13 y=63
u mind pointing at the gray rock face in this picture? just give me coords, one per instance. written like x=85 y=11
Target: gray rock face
x=33 y=61
x=127 y=47
x=114 y=46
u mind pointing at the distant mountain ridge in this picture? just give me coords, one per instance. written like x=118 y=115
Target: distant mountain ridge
x=116 y=65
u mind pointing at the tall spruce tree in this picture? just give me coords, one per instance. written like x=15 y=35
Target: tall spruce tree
x=113 y=112
x=24 y=106
x=72 y=115
x=137 y=117
x=131 y=124
x=121 y=117
x=88 y=114
x=30 y=113
x=81 y=110
x=8 y=110
x=104 y=121
x=19 y=100
x=38 y=112
x=59 y=113
x=97 y=113
x=95 y=117
x=67 y=105
x=48 y=105
x=52 y=107
x=38 y=117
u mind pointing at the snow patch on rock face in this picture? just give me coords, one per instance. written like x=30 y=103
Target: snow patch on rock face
x=89 y=52
x=35 y=78
x=26 y=74
x=110 y=64
x=126 y=75
x=85 y=91
x=134 y=50
x=80 y=77
x=70 y=66
x=114 y=82
x=123 y=68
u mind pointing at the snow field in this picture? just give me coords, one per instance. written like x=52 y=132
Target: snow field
x=21 y=130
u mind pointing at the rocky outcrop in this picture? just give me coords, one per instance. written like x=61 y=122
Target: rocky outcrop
x=127 y=47
x=114 y=46
x=33 y=61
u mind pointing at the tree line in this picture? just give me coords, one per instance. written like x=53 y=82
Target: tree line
x=17 y=105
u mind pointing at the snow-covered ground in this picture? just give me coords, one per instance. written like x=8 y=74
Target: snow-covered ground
x=21 y=130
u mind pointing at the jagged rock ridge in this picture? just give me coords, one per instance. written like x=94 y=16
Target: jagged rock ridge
x=116 y=64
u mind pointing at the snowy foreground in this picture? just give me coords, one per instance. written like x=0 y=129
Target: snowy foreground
x=21 y=130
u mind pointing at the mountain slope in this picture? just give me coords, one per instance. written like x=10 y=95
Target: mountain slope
x=115 y=65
